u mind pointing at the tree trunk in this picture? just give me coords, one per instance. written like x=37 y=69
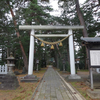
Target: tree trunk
x=99 y=2
x=58 y=50
x=55 y=58
x=82 y=22
x=17 y=33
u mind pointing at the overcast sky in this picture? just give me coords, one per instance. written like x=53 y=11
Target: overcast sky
x=57 y=11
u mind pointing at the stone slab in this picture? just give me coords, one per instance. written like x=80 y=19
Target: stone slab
x=94 y=94
x=29 y=78
x=72 y=78
x=8 y=82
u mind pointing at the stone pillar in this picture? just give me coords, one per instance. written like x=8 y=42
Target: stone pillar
x=31 y=53
x=72 y=58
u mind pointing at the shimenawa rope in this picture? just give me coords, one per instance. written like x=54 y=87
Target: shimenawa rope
x=51 y=43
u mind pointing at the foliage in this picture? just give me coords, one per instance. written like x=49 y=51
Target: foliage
x=29 y=12
x=26 y=12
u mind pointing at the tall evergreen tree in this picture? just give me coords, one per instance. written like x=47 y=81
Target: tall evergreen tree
x=19 y=11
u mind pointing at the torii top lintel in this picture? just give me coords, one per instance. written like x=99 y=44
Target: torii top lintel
x=48 y=27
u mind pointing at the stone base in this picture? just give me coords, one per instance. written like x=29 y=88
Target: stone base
x=94 y=94
x=96 y=81
x=29 y=78
x=73 y=78
x=8 y=82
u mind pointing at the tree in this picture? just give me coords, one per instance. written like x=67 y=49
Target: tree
x=6 y=31
x=99 y=2
x=80 y=16
x=19 y=10
x=17 y=33
x=94 y=6
x=77 y=16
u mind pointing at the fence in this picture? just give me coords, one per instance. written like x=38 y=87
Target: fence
x=3 y=69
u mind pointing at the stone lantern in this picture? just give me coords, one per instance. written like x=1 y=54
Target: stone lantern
x=37 y=62
x=10 y=63
x=9 y=81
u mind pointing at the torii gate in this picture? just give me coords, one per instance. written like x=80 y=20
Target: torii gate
x=45 y=27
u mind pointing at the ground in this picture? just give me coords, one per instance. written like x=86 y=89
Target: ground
x=25 y=90
x=81 y=85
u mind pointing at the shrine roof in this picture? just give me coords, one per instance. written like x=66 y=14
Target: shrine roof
x=91 y=39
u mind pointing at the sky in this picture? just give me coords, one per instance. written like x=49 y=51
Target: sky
x=57 y=11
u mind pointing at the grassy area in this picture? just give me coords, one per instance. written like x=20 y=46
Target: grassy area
x=81 y=87
x=24 y=91
x=83 y=70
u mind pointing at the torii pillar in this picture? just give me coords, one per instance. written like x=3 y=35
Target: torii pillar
x=73 y=74
x=72 y=58
x=31 y=53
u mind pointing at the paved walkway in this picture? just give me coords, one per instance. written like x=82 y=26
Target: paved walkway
x=52 y=87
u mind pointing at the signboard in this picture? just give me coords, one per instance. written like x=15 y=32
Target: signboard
x=95 y=58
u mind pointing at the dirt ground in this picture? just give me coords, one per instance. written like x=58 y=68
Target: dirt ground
x=24 y=91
